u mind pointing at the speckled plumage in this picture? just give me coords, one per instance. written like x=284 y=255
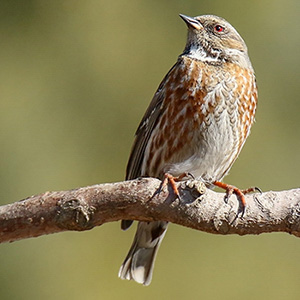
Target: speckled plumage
x=197 y=123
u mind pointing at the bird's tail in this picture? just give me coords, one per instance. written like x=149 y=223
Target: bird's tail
x=139 y=262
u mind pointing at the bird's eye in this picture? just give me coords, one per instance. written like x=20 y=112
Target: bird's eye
x=219 y=28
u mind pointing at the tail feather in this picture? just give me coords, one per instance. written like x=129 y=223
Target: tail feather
x=139 y=262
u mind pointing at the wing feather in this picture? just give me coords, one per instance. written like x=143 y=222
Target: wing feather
x=145 y=129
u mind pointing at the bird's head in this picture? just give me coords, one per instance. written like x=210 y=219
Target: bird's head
x=213 y=39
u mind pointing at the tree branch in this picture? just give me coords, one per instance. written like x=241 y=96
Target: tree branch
x=199 y=208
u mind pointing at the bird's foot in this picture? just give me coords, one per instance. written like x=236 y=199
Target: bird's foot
x=231 y=189
x=170 y=179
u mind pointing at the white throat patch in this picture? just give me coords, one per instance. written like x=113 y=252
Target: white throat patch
x=197 y=52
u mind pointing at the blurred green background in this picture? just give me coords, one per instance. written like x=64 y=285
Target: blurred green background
x=75 y=80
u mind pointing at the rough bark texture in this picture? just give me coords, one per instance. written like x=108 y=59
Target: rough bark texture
x=199 y=208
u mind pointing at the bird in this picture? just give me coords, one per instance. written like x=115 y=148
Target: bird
x=197 y=123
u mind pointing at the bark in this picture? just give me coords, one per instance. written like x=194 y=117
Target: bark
x=141 y=199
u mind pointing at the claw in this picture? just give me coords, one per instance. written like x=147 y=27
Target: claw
x=228 y=194
x=258 y=189
x=191 y=175
x=251 y=190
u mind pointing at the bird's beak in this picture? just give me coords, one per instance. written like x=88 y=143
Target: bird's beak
x=191 y=22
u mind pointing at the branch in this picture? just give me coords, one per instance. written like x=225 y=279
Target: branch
x=199 y=208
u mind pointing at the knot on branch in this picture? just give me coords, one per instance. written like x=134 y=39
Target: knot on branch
x=74 y=214
x=192 y=189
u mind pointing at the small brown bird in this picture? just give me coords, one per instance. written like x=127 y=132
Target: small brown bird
x=197 y=123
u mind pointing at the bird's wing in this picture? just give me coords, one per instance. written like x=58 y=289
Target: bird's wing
x=145 y=129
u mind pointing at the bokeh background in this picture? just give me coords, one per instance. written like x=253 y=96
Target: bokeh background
x=75 y=80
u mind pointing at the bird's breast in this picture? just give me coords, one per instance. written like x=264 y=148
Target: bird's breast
x=206 y=116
